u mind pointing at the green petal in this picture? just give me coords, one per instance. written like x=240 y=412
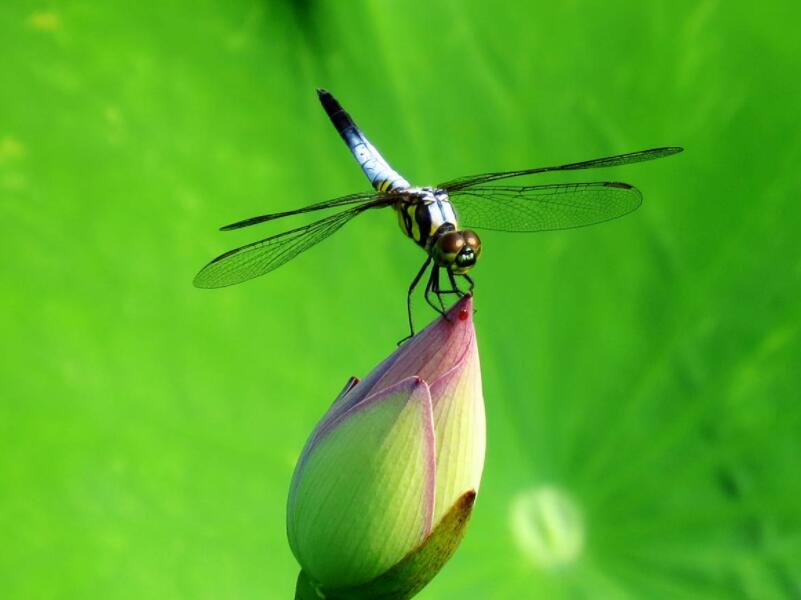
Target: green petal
x=364 y=495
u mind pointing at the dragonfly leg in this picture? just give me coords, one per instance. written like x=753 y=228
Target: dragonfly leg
x=438 y=291
x=415 y=281
x=433 y=278
x=455 y=287
x=470 y=281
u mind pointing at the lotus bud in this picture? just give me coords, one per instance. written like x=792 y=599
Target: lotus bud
x=386 y=482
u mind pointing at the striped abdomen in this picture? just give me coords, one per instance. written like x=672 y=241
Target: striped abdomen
x=381 y=175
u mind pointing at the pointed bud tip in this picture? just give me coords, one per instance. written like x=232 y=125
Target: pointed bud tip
x=462 y=310
x=467 y=500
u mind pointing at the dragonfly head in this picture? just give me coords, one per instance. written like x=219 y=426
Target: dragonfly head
x=457 y=251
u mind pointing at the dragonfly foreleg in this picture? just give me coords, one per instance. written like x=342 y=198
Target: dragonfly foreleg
x=470 y=281
x=454 y=286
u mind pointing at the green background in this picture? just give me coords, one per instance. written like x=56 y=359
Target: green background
x=645 y=371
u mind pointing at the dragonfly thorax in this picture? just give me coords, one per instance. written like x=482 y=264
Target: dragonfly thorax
x=422 y=212
x=427 y=216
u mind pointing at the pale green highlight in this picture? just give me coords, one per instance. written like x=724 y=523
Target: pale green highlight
x=547 y=526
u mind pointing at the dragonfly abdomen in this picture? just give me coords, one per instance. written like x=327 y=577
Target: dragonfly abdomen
x=381 y=175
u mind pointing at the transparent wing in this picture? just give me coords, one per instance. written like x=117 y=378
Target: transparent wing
x=258 y=258
x=361 y=198
x=544 y=207
x=608 y=161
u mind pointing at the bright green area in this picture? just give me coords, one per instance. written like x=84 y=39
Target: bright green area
x=648 y=370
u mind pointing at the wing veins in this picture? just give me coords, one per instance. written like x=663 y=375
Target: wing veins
x=260 y=257
x=545 y=207
x=607 y=161
x=360 y=198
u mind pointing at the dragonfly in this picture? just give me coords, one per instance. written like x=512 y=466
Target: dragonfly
x=440 y=219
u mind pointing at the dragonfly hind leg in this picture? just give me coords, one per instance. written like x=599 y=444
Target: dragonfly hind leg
x=433 y=286
x=412 y=287
x=438 y=291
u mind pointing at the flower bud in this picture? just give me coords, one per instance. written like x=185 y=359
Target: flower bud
x=385 y=484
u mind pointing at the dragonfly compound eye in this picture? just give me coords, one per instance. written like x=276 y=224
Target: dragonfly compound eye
x=450 y=243
x=447 y=247
x=472 y=240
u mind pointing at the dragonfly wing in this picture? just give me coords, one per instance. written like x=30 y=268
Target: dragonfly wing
x=607 y=161
x=258 y=258
x=544 y=207
x=362 y=198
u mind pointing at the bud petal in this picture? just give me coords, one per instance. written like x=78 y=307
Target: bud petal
x=459 y=425
x=364 y=493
